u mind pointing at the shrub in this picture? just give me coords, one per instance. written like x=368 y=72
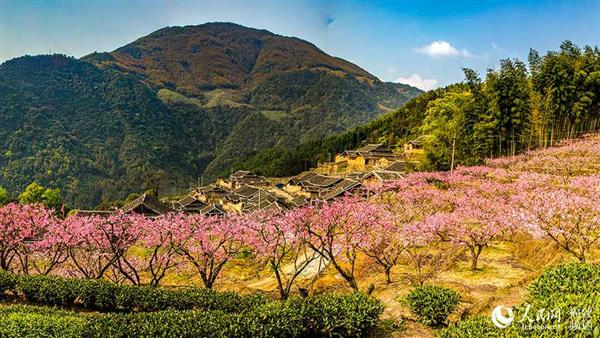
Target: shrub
x=563 y=281
x=346 y=316
x=48 y=289
x=472 y=328
x=108 y=297
x=98 y=295
x=29 y=321
x=276 y=319
x=7 y=282
x=320 y=316
x=188 y=311
x=573 y=290
x=169 y=323
x=145 y=299
x=554 y=295
x=432 y=304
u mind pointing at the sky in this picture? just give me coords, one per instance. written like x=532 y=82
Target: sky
x=422 y=43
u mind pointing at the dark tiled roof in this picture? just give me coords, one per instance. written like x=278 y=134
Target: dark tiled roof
x=341 y=188
x=299 y=201
x=232 y=197
x=146 y=204
x=398 y=166
x=189 y=203
x=246 y=177
x=372 y=151
x=314 y=179
x=370 y=147
x=212 y=209
x=246 y=191
x=379 y=154
x=355 y=176
x=212 y=190
x=263 y=196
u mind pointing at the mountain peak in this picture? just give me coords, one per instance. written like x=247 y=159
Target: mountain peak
x=192 y=59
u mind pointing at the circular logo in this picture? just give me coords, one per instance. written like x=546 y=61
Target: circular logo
x=499 y=319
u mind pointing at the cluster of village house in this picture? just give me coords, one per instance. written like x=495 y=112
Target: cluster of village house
x=244 y=191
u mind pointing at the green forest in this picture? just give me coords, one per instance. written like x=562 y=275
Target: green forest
x=100 y=134
x=516 y=107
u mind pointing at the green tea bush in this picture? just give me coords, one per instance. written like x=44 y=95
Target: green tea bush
x=276 y=319
x=320 y=316
x=471 y=328
x=566 y=298
x=344 y=316
x=98 y=295
x=563 y=281
x=571 y=290
x=135 y=311
x=7 y=282
x=48 y=289
x=169 y=323
x=29 y=321
x=104 y=296
x=432 y=304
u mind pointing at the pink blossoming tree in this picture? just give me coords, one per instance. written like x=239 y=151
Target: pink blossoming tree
x=209 y=242
x=280 y=238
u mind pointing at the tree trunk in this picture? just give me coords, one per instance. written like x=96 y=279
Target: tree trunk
x=207 y=283
x=352 y=283
x=388 y=279
x=282 y=292
x=475 y=252
x=453 y=151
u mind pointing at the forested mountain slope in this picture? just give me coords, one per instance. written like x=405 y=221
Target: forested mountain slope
x=513 y=108
x=179 y=104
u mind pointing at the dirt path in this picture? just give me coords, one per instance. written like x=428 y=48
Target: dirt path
x=312 y=270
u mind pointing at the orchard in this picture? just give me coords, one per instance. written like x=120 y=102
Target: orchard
x=424 y=222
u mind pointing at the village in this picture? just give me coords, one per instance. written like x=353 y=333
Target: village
x=244 y=191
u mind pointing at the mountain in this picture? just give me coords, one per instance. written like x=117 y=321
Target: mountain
x=392 y=128
x=194 y=59
x=173 y=106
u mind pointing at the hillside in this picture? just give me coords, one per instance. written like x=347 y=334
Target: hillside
x=176 y=105
x=194 y=59
x=393 y=129
x=515 y=108
x=92 y=133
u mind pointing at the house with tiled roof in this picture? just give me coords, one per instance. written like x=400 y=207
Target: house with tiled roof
x=213 y=210
x=211 y=194
x=343 y=187
x=147 y=205
x=189 y=204
x=240 y=178
x=310 y=184
x=370 y=156
x=398 y=166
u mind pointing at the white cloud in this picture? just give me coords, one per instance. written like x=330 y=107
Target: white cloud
x=416 y=80
x=442 y=49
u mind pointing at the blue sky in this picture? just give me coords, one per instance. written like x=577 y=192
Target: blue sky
x=419 y=42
